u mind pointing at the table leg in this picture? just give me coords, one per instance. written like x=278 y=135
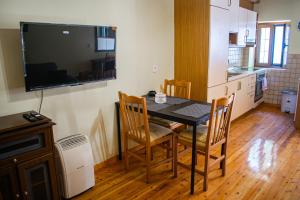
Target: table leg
x=193 y=159
x=119 y=131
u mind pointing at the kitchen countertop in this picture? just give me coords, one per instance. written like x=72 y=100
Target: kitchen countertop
x=245 y=73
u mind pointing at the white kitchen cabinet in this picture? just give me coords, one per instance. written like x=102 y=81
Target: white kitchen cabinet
x=247 y=26
x=218 y=46
x=244 y=100
x=221 y=3
x=242 y=26
x=251 y=26
x=217 y=92
x=244 y=90
x=251 y=90
x=234 y=16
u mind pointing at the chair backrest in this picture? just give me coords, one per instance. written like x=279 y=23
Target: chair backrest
x=134 y=118
x=220 y=119
x=177 y=88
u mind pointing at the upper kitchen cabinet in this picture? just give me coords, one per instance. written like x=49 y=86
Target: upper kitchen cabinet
x=251 y=26
x=201 y=44
x=218 y=46
x=221 y=3
x=234 y=16
x=242 y=26
x=247 y=27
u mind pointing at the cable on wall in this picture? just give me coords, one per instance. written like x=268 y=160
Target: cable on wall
x=41 y=102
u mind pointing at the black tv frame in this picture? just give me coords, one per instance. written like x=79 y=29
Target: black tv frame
x=63 y=85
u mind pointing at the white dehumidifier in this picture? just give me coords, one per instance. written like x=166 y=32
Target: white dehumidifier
x=75 y=165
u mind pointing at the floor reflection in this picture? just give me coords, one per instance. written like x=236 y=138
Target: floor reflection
x=262 y=157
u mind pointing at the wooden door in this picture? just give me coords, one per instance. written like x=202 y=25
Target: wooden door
x=251 y=26
x=234 y=16
x=218 y=46
x=38 y=179
x=8 y=183
x=242 y=26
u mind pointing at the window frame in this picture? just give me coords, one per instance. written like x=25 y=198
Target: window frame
x=271 y=45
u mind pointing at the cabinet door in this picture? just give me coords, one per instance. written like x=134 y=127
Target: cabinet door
x=242 y=26
x=242 y=100
x=226 y=4
x=38 y=179
x=251 y=90
x=8 y=183
x=234 y=16
x=251 y=26
x=218 y=46
x=217 y=92
x=235 y=87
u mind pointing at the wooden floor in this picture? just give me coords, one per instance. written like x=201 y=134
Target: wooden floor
x=263 y=163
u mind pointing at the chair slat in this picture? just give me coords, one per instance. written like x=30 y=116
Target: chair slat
x=177 y=88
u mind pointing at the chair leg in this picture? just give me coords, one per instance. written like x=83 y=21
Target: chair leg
x=205 y=181
x=152 y=153
x=168 y=150
x=126 y=158
x=175 y=155
x=148 y=163
x=223 y=162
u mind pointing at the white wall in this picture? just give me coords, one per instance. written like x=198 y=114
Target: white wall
x=273 y=10
x=144 y=38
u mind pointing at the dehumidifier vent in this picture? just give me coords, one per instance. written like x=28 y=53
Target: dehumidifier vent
x=72 y=142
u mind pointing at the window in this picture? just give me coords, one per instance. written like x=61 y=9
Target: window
x=273 y=42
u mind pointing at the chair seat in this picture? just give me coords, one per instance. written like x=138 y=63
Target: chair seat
x=201 y=136
x=164 y=122
x=157 y=131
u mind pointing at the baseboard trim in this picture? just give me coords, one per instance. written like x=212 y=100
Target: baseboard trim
x=273 y=105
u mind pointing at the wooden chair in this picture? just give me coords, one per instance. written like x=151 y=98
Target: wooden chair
x=210 y=137
x=174 y=88
x=135 y=126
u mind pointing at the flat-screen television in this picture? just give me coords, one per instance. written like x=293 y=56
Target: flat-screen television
x=56 y=55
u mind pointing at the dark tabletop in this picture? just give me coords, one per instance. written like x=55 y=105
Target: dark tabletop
x=166 y=110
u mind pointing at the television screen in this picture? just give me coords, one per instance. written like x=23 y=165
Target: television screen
x=57 y=55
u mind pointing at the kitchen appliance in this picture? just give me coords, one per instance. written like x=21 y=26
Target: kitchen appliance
x=259 y=93
x=75 y=164
x=288 y=101
x=56 y=55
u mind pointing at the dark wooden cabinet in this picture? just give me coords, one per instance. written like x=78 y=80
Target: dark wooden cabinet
x=27 y=169
x=8 y=183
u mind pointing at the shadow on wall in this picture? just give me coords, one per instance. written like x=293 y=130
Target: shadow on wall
x=12 y=67
x=13 y=71
x=99 y=140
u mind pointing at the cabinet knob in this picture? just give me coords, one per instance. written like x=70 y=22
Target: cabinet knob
x=15 y=160
x=17 y=196
x=25 y=193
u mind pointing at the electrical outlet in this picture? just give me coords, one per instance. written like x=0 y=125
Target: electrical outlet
x=155 y=68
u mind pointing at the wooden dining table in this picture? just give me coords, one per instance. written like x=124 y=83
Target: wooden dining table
x=179 y=110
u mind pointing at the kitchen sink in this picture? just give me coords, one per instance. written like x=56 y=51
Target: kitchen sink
x=235 y=70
